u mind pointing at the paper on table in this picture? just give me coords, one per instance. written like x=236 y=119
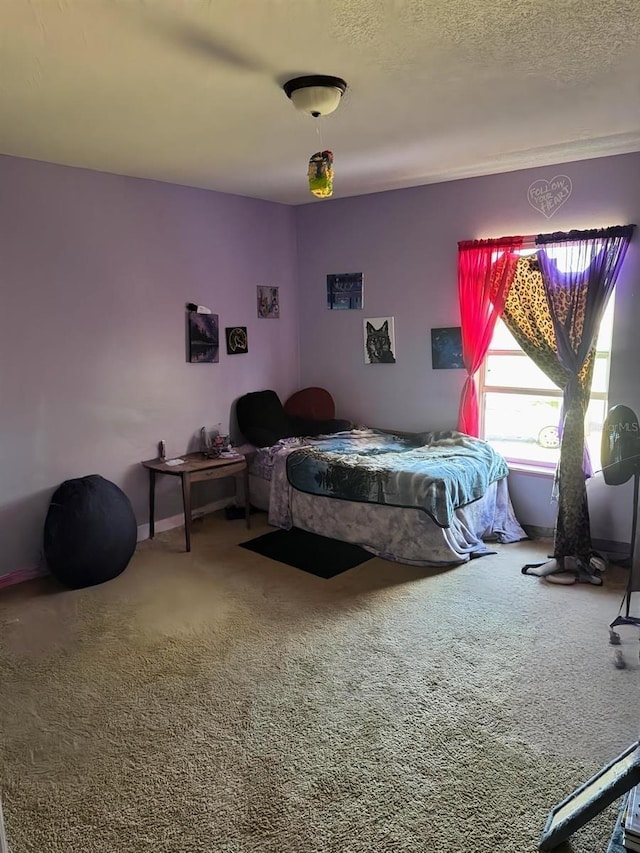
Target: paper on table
x=174 y=462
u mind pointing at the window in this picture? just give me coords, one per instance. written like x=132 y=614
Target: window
x=520 y=406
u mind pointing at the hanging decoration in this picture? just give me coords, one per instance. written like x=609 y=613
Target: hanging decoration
x=317 y=95
x=321 y=174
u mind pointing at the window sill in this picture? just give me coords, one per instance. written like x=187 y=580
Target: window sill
x=530 y=468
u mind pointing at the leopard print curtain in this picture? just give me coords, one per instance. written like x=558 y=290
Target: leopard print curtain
x=528 y=318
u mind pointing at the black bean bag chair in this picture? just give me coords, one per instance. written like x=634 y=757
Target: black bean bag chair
x=90 y=532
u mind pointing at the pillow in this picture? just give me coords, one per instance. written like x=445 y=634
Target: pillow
x=261 y=418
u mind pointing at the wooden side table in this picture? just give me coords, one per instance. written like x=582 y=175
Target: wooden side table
x=196 y=468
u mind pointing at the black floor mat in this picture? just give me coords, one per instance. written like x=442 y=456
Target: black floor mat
x=318 y=555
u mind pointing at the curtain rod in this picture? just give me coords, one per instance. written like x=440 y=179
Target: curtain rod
x=548 y=236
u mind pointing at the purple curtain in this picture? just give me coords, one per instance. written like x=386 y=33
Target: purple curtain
x=579 y=270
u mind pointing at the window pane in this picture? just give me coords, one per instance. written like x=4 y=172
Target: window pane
x=518 y=371
x=502 y=338
x=596 y=413
x=605 y=333
x=523 y=426
x=601 y=374
x=515 y=371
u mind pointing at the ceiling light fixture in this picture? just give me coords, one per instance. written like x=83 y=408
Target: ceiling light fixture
x=316 y=94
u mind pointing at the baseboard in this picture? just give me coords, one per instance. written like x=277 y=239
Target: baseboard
x=610 y=546
x=23 y=575
x=607 y=546
x=533 y=531
x=178 y=520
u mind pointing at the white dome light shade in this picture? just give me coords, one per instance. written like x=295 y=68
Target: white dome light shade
x=315 y=95
x=316 y=100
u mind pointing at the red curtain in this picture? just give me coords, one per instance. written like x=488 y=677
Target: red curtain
x=485 y=271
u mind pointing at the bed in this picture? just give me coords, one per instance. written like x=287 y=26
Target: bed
x=427 y=499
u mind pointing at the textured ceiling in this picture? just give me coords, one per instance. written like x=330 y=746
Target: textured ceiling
x=189 y=91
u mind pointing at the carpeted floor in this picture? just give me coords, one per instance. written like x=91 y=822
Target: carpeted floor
x=219 y=702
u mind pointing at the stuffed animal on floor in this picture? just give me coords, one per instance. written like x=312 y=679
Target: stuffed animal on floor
x=321 y=174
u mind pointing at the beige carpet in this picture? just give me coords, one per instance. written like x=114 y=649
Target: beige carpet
x=222 y=702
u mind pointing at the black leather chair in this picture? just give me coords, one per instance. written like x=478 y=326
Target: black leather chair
x=263 y=420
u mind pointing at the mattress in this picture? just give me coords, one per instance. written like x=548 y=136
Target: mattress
x=401 y=534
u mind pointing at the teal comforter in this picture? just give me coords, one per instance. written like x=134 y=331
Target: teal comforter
x=437 y=472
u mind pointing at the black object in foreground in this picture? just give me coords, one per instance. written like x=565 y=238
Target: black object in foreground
x=310 y=552
x=622 y=774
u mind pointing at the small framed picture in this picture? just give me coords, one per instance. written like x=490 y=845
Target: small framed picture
x=237 y=341
x=446 y=348
x=379 y=341
x=268 y=303
x=203 y=338
x=344 y=291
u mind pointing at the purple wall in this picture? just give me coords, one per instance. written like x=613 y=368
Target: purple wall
x=405 y=243
x=96 y=271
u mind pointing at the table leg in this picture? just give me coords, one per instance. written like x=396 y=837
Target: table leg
x=247 y=502
x=152 y=502
x=186 y=502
